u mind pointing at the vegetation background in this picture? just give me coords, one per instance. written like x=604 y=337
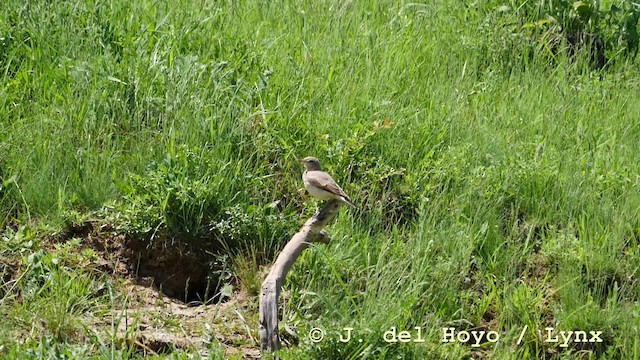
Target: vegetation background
x=496 y=176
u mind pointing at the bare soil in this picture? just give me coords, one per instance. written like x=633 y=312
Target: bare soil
x=157 y=314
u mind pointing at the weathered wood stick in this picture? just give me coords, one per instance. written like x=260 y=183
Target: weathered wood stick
x=310 y=232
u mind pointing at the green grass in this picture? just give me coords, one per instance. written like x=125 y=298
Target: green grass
x=495 y=189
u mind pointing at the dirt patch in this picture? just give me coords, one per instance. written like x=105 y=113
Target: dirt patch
x=152 y=323
x=156 y=312
x=8 y=271
x=175 y=268
x=536 y=267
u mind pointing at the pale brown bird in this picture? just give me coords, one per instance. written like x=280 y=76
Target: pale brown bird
x=320 y=184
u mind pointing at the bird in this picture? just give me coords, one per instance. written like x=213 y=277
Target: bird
x=320 y=184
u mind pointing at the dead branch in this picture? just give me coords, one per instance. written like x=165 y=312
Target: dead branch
x=310 y=232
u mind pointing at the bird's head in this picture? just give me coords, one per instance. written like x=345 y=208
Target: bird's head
x=310 y=163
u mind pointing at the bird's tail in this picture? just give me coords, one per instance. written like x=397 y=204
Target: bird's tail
x=347 y=201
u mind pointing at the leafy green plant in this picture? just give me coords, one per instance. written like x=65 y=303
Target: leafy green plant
x=176 y=194
x=515 y=34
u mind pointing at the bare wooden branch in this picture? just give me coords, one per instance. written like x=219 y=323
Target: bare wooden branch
x=310 y=232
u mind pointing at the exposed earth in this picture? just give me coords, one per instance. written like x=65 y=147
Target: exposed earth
x=153 y=310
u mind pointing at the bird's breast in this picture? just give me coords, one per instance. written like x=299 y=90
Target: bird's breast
x=316 y=191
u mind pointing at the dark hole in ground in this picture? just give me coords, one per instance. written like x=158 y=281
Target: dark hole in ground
x=179 y=270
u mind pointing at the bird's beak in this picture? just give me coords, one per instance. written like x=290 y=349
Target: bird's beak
x=300 y=160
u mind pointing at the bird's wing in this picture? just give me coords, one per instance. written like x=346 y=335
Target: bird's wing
x=325 y=182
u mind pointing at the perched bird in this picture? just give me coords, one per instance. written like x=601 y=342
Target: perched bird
x=320 y=184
